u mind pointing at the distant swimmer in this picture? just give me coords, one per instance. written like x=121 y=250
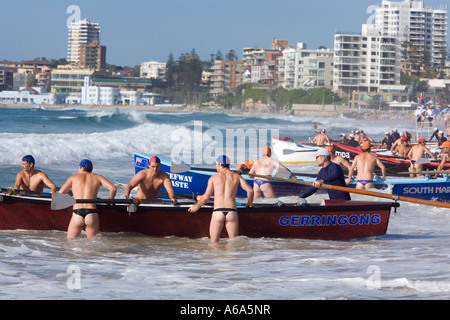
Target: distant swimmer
x=30 y=179
x=366 y=162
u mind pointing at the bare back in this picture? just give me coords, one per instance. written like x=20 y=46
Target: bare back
x=366 y=163
x=86 y=186
x=264 y=167
x=225 y=185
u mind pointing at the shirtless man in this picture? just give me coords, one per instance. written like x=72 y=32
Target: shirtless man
x=224 y=186
x=321 y=139
x=445 y=157
x=150 y=182
x=85 y=185
x=340 y=161
x=265 y=167
x=416 y=153
x=403 y=148
x=31 y=179
x=365 y=162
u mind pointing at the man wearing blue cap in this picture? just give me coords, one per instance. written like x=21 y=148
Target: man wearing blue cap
x=85 y=185
x=150 y=182
x=30 y=179
x=224 y=186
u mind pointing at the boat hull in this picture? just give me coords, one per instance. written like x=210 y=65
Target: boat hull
x=337 y=220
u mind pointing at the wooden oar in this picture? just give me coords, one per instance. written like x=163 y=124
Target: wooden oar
x=363 y=192
x=62 y=201
x=427 y=172
x=12 y=192
x=182 y=167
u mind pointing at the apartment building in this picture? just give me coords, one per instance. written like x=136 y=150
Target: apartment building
x=364 y=62
x=84 y=48
x=69 y=80
x=301 y=68
x=226 y=76
x=153 y=70
x=424 y=27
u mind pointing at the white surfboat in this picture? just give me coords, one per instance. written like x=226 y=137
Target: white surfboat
x=290 y=152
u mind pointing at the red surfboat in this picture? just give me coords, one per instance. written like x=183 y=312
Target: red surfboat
x=335 y=220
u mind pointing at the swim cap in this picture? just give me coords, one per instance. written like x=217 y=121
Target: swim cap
x=446 y=144
x=422 y=140
x=87 y=164
x=224 y=161
x=331 y=149
x=155 y=159
x=366 y=145
x=267 y=151
x=28 y=159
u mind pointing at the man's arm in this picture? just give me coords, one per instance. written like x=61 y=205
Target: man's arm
x=67 y=186
x=49 y=183
x=110 y=186
x=250 y=193
x=133 y=183
x=351 y=170
x=205 y=198
x=383 y=169
x=169 y=188
x=18 y=180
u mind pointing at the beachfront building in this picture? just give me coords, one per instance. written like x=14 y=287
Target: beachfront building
x=363 y=62
x=6 y=78
x=301 y=68
x=226 y=76
x=424 y=27
x=84 y=48
x=153 y=70
x=69 y=80
x=28 y=95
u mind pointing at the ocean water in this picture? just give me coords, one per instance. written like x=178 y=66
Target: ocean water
x=410 y=262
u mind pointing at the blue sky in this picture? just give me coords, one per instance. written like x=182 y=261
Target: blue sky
x=135 y=31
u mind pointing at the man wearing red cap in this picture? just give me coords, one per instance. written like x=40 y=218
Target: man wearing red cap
x=265 y=167
x=366 y=162
x=403 y=148
x=416 y=153
x=150 y=182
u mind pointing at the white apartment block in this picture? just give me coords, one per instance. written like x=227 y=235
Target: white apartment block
x=410 y=20
x=302 y=69
x=153 y=70
x=364 y=62
x=96 y=95
x=81 y=32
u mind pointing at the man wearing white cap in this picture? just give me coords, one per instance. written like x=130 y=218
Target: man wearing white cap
x=331 y=174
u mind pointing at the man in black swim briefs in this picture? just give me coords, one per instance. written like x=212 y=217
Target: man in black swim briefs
x=85 y=185
x=224 y=185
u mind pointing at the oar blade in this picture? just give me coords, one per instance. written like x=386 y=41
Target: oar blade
x=62 y=201
x=178 y=167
